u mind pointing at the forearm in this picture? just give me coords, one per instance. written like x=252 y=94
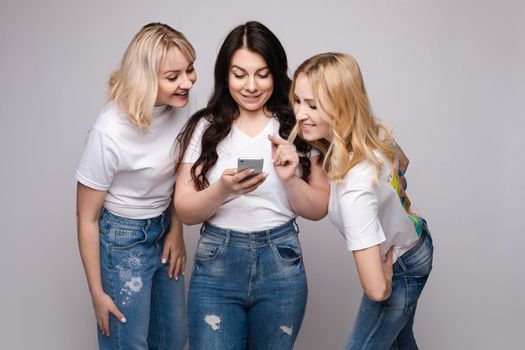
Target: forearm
x=176 y=223
x=194 y=207
x=306 y=200
x=89 y=246
x=376 y=284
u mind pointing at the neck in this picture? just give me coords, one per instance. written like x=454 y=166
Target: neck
x=258 y=115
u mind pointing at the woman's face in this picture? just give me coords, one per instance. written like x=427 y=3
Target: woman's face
x=249 y=80
x=308 y=115
x=176 y=78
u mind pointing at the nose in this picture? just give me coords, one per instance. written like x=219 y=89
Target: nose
x=300 y=113
x=251 y=85
x=187 y=82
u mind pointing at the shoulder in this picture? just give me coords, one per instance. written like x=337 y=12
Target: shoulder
x=201 y=125
x=361 y=175
x=111 y=121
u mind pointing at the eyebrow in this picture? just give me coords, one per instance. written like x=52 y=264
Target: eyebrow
x=178 y=70
x=244 y=70
x=310 y=99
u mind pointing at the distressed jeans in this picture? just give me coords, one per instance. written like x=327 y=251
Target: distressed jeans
x=388 y=324
x=138 y=283
x=248 y=290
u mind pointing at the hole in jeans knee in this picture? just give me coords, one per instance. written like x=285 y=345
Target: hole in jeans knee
x=213 y=321
x=287 y=330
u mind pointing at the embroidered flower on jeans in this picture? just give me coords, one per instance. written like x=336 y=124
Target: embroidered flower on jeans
x=135 y=284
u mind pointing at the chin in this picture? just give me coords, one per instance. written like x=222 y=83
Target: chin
x=178 y=104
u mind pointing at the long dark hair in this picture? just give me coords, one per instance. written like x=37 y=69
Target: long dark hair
x=222 y=109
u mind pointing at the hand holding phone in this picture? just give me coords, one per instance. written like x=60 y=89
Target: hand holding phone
x=250 y=163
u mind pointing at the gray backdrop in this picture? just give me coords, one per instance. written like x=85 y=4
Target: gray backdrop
x=446 y=75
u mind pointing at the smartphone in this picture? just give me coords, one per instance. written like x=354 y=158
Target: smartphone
x=250 y=163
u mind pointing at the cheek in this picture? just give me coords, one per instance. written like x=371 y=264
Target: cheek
x=163 y=89
x=267 y=85
x=234 y=85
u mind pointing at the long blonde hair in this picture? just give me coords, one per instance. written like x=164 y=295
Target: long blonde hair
x=133 y=86
x=340 y=94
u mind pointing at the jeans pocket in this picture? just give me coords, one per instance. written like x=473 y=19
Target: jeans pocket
x=126 y=238
x=288 y=249
x=207 y=249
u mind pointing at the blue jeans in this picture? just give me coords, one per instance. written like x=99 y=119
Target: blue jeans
x=248 y=290
x=388 y=324
x=134 y=277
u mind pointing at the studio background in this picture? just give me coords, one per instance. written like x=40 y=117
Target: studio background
x=447 y=76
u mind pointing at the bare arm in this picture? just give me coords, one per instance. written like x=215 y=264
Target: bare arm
x=195 y=206
x=308 y=199
x=89 y=203
x=174 y=249
x=374 y=274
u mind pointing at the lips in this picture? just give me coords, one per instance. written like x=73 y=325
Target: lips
x=251 y=98
x=307 y=126
x=181 y=93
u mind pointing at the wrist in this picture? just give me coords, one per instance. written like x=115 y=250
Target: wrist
x=291 y=180
x=97 y=293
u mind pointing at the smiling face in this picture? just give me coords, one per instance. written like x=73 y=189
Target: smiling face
x=249 y=80
x=308 y=115
x=176 y=77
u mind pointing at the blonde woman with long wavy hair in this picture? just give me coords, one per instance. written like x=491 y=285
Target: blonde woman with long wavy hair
x=390 y=242
x=130 y=239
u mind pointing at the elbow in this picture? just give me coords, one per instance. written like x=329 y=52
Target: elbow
x=379 y=294
x=186 y=215
x=317 y=215
x=186 y=218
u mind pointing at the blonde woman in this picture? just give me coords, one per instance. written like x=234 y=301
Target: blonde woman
x=391 y=245
x=130 y=239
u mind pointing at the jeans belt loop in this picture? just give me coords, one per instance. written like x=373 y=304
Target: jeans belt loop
x=401 y=263
x=269 y=237
x=296 y=227
x=227 y=241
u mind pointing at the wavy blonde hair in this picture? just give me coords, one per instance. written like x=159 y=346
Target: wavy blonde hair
x=340 y=94
x=133 y=86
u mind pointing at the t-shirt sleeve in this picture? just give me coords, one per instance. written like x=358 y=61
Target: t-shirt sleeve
x=359 y=210
x=194 y=149
x=99 y=161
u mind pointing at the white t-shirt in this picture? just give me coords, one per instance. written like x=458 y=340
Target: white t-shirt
x=264 y=208
x=135 y=168
x=367 y=215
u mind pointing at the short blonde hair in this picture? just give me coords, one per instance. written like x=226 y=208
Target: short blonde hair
x=133 y=86
x=340 y=93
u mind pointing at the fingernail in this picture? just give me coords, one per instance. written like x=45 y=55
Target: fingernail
x=123 y=320
x=164 y=260
x=170 y=276
x=176 y=278
x=183 y=273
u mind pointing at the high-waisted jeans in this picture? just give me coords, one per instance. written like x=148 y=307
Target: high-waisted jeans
x=134 y=277
x=388 y=324
x=248 y=290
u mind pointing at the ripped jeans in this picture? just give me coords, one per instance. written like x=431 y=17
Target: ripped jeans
x=248 y=290
x=134 y=277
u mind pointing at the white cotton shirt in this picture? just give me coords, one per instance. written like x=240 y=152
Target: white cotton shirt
x=135 y=167
x=368 y=214
x=264 y=208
